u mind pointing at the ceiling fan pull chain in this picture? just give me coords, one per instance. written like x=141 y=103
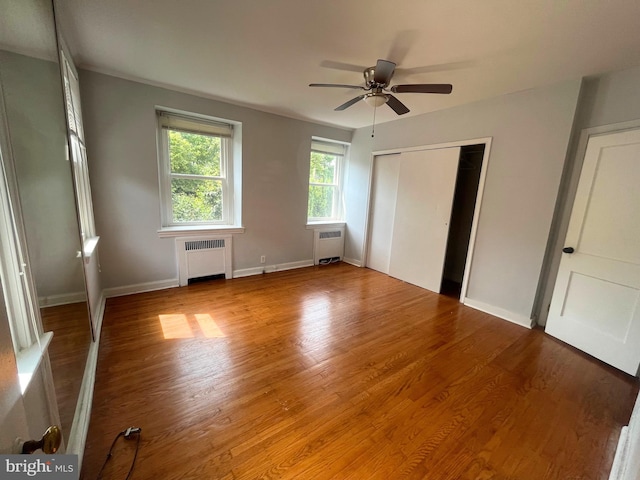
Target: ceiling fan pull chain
x=373 y=127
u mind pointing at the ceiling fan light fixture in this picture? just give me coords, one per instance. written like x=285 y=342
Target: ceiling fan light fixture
x=376 y=99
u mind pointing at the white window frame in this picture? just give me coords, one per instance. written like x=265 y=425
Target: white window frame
x=13 y=273
x=341 y=151
x=200 y=124
x=78 y=152
x=17 y=285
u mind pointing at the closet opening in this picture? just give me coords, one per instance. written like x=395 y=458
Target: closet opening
x=464 y=203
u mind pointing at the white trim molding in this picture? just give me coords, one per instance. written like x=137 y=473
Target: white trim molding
x=62 y=299
x=171 y=232
x=141 y=288
x=500 y=313
x=80 y=427
x=626 y=463
x=247 y=272
x=353 y=261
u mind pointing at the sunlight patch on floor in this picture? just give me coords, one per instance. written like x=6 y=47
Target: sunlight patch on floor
x=177 y=325
x=208 y=326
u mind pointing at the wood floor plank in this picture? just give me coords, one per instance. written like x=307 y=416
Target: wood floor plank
x=342 y=372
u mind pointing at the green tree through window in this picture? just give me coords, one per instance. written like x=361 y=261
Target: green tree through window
x=325 y=169
x=322 y=179
x=196 y=194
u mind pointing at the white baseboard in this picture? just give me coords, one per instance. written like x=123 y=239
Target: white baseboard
x=626 y=463
x=499 y=312
x=62 y=299
x=352 y=261
x=621 y=457
x=80 y=426
x=141 y=288
x=246 y=272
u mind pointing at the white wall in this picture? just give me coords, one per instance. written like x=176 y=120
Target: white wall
x=610 y=98
x=120 y=127
x=530 y=131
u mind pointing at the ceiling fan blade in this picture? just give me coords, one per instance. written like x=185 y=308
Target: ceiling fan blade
x=423 y=88
x=336 y=85
x=349 y=67
x=349 y=103
x=384 y=72
x=401 y=44
x=396 y=105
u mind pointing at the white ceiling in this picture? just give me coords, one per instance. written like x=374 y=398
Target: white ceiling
x=264 y=53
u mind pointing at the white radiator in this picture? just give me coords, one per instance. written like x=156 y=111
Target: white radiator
x=203 y=256
x=328 y=245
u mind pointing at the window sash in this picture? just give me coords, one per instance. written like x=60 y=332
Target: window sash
x=334 y=213
x=339 y=152
x=167 y=122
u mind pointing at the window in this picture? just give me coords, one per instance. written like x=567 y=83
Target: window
x=196 y=170
x=325 y=180
x=17 y=289
x=78 y=150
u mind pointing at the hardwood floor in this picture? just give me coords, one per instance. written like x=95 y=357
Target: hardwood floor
x=68 y=355
x=342 y=372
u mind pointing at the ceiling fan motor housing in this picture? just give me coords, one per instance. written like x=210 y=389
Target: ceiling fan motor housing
x=369 y=79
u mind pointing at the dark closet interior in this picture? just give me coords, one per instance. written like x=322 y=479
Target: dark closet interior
x=464 y=202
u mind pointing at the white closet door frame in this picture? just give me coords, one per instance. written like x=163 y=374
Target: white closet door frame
x=476 y=214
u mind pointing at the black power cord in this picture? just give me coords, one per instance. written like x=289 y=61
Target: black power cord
x=128 y=433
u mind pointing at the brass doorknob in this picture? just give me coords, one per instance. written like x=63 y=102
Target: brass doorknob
x=49 y=443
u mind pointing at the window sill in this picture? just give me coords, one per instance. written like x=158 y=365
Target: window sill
x=89 y=247
x=171 y=232
x=29 y=359
x=334 y=224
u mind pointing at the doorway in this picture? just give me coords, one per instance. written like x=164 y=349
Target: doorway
x=464 y=202
x=423 y=212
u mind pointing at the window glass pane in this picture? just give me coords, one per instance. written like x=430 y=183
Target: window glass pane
x=320 y=202
x=323 y=168
x=196 y=200
x=194 y=154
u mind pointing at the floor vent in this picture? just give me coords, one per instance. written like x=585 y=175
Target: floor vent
x=203 y=257
x=328 y=245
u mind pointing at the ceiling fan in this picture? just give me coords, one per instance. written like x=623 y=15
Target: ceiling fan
x=377 y=81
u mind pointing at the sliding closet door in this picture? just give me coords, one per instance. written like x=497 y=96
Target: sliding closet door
x=425 y=189
x=383 y=207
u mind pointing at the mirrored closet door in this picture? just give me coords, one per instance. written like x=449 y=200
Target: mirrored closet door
x=33 y=97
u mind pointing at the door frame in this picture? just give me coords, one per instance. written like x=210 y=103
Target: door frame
x=564 y=206
x=479 y=196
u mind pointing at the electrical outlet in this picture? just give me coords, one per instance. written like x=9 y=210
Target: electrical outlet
x=263 y=259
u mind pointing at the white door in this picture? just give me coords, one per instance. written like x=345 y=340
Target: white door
x=383 y=207
x=596 y=300
x=426 y=185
